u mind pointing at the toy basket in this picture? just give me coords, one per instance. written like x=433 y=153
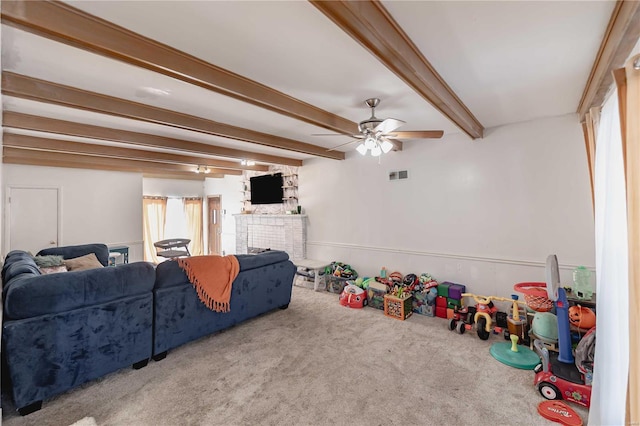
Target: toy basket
x=535 y=294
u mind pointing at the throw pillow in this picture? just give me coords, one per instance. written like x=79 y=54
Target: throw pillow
x=88 y=261
x=49 y=260
x=53 y=269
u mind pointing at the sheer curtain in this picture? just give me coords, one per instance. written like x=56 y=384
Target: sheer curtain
x=154 y=211
x=611 y=363
x=193 y=214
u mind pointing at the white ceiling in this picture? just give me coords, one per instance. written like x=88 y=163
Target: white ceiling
x=507 y=61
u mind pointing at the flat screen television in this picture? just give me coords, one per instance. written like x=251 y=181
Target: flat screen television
x=266 y=189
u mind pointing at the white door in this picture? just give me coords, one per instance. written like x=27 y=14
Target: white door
x=32 y=217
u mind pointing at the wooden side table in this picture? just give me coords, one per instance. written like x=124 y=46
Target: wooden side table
x=306 y=267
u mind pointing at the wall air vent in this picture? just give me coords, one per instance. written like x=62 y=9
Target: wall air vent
x=396 y=175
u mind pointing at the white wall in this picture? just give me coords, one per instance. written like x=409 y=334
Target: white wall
x=97 y=206
x=485 y=213
x=172 y=187
x=229 y=190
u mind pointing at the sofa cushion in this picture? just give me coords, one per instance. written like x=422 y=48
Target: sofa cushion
x=69 y=252
x=30 y=295
x=169 y=274
x=48 y=260
x=82 y=263
x=54 y=269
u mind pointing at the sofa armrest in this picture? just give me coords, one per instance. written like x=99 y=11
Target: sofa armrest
x=69 y=252
x=29 y=296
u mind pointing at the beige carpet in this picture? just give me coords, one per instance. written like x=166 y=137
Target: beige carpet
x=315 y=363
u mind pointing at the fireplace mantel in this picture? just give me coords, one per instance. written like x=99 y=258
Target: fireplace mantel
x=287 y=232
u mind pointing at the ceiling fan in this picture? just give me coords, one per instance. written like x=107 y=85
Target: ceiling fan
x=377 y=135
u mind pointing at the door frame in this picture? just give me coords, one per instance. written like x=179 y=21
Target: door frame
x=208 y=222
x=7 y=214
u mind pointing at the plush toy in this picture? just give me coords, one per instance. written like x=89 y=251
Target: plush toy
x=424 y=278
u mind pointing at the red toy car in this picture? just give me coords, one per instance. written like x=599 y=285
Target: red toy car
x=557 y=380
x=353 y=297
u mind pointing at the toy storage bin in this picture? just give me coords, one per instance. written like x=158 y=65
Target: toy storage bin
x=375 y=295
x=335 y=284
x=419 y=304
x=453 y=303
x=456 y=290
x=443 y=289
x=304 y=278
x=398 y=308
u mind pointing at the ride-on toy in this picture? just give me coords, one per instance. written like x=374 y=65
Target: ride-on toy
x=485 y=311
x=462 y=319
x=558 y=377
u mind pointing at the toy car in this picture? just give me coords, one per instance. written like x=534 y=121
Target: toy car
x=557 y=380
x=353 y=297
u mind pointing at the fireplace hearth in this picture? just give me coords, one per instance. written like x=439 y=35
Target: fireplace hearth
x=255 y=233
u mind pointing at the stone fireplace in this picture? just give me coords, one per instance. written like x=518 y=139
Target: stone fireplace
x=258 y=232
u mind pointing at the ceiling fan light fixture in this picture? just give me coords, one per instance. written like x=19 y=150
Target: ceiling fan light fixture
x=370 y=142
x=362 y=149
x=376 y=151
x=386 y=146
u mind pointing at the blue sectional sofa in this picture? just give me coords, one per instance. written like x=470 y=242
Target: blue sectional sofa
x=264 y=283
x=65 y=329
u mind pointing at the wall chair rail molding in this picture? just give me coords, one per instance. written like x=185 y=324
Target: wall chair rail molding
x=517 y=262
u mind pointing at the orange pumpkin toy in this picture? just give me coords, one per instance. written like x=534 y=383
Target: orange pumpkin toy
x=582 y=317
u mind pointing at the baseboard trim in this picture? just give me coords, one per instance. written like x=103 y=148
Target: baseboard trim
x=518 y=262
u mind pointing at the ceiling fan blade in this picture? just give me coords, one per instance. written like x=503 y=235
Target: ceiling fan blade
x=337 y=134
x=417 y=134
x=388 y=125
x=341 y=145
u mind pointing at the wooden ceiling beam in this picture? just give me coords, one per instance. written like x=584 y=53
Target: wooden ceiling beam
x=25 y=87
x=371 y=25
x=12 y=155
x=621 y=36
x=183 y=176
x=51 y=125
x=66 y=24
x=58 y=145
x=70 y=147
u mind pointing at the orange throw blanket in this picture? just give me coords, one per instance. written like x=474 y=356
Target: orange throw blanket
x=212 y=277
